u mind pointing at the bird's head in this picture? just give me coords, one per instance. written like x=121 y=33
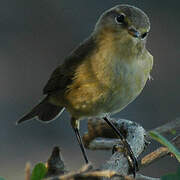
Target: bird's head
x=124 y=20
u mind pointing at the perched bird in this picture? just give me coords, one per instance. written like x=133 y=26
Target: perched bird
x=102 y=75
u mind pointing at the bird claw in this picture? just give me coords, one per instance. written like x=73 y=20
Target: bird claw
x=133 y=163
x=117 y=147
x=129 y=153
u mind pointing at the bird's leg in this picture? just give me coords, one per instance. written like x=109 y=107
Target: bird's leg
x=130 y=155
x=75 y=126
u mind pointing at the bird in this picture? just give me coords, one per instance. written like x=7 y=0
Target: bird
x=102 y=75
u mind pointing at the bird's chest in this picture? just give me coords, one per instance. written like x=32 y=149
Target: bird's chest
x=127 y=81
x=132 y=76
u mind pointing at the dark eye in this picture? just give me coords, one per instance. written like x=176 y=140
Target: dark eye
x=120 y=19
x=144 y=35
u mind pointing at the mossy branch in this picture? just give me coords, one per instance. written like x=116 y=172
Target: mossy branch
x=100 y=136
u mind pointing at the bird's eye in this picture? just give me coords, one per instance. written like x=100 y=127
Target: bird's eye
x=144 y=35
x=120 y=19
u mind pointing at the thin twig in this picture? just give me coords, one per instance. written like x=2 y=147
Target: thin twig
x=158 y=153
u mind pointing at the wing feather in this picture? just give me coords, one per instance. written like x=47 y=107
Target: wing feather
x=63 y=74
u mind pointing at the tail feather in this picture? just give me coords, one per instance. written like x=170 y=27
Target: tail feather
x=44 y=111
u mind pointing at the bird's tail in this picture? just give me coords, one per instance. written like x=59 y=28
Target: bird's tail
x=44 y=111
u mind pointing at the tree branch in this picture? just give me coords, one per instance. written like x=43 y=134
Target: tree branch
x=158 y=153
x=97 y=138
x=100 y=136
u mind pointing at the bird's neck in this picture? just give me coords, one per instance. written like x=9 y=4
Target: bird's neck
x=121 y=44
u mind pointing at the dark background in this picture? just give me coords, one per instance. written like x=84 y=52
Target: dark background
x=35 y=36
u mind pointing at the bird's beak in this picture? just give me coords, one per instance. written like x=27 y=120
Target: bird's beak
x=133 y=32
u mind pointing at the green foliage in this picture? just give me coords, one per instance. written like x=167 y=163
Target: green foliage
x=2 y=178
x=39 y=172
x=156 y=136
x=172 y=176
x=173 y=132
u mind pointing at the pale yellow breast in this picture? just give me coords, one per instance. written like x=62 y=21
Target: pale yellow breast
x=129 y=80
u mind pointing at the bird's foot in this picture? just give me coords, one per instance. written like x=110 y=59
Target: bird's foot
x=127 y=149
x=133 y=163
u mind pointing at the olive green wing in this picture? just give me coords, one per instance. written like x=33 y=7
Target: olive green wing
x=63 y=74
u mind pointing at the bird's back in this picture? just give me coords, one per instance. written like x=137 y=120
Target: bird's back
x=63 y=75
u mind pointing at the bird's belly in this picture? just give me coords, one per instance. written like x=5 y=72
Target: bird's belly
x=119 y=99
x=85 y=102
x=124 y=91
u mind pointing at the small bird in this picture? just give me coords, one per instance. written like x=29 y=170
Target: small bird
x=102 y=75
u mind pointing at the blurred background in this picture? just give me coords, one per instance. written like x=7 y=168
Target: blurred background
x=35 y=36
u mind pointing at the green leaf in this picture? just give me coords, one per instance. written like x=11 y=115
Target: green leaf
x=2 y=178
x=39 y=172
x=172 y=176
x=156 y=136
x=173 y=132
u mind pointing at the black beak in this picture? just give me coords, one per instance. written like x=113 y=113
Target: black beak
x=134 y=32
